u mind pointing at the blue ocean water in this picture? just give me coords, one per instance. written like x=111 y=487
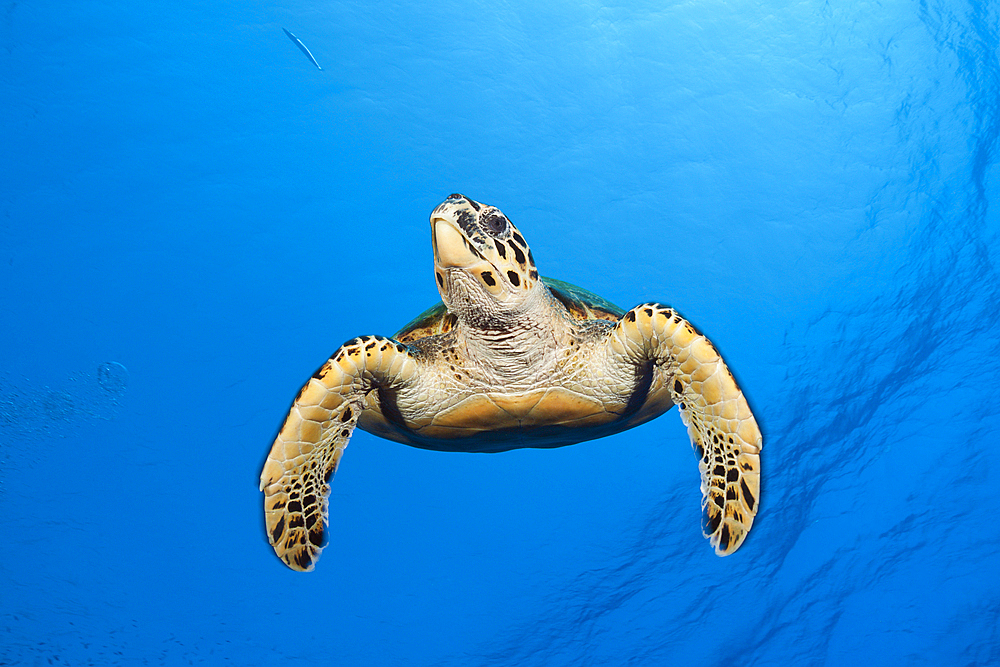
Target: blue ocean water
x=193 y=217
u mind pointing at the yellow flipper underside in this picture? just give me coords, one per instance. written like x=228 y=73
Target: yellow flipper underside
x=722 y=427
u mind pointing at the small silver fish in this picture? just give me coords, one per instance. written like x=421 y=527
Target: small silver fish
x=298 y=43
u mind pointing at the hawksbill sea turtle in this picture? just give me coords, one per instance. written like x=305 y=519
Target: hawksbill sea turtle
x=508 y=360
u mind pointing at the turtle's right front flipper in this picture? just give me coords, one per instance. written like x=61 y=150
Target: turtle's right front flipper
x=309 y=445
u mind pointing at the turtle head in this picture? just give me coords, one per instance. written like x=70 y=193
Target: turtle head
x=482 y=265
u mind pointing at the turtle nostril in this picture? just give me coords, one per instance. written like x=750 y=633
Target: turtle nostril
x=456 y=196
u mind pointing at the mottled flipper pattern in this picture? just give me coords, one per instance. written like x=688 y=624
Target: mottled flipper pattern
x=722 y=427
x=296 y=475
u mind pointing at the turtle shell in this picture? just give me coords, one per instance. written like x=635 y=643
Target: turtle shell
x=580 y=303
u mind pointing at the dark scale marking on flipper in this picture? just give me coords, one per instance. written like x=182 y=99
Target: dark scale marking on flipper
x=714 y=519
x=303 y=559
x=747 y=496
x=279 y=528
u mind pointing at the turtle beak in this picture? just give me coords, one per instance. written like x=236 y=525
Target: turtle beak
x=451 y=250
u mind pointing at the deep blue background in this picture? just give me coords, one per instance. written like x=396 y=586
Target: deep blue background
x=182 y=192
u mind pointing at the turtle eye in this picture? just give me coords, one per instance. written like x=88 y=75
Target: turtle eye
x=494 y=222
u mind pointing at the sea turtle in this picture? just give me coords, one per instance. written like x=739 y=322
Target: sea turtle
x=510 y=360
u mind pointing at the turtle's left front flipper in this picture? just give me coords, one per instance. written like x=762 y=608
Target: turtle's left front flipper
x=722 y=427
x=305 y=454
